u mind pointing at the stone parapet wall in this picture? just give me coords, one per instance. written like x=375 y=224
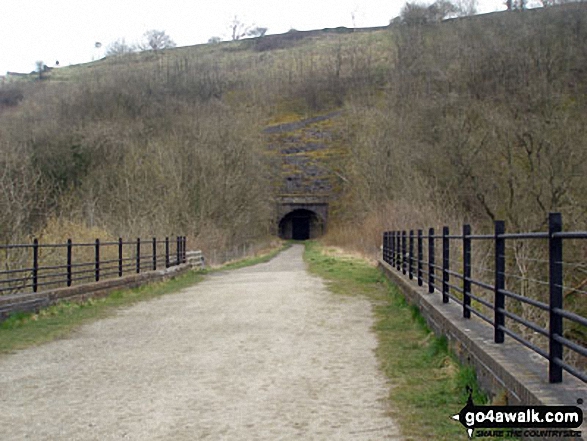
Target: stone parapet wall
x=508 y=370
x=34 y=302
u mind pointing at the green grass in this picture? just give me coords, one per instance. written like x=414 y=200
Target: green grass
x=22 y=330
x=249 y=261
x=428 y=384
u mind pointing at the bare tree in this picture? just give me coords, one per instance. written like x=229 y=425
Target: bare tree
x=40 y=68
x=414 y=14
x=157 y=40
x=119 y=47
x=420 y=13
x=238 y=29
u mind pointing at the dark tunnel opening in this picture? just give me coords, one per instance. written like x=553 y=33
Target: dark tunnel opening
x=300 y=224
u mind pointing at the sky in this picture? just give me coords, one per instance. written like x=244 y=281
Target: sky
x=67 y=30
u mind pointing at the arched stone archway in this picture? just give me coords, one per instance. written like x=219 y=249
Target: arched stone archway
x=301 y=224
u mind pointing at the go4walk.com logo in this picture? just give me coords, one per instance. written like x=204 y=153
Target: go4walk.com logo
x=517 y=421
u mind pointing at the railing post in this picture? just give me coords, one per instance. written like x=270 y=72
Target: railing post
x=138 y=255
x=97 y=260
x=499 y=301
x=69 y=253
x=555 y=349
x=466 y=271
x=420 y=258
x=392 y=245
x=411 y=256
x=154 y=253
x=398 y=254
x=185 y=248
x=431 y=252
x=445 y=263
x=167 y=252
x=177 y=250
x=181 y=249
x=35 y=264
x=120 y=257
x=404 y=251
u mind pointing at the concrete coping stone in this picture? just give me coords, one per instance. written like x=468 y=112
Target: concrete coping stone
x=508 y=367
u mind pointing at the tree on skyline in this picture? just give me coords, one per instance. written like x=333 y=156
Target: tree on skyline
x=119 y=47
x=157 y=40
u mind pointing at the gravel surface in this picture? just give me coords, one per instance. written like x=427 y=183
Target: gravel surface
x=260 y=353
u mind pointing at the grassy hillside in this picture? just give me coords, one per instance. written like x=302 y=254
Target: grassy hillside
x=153 y=143
x=470 y=119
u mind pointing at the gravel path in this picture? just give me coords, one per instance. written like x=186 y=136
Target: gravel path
x=261 y=353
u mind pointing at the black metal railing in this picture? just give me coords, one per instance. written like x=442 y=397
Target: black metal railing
x=30 y=267
x=537 y=321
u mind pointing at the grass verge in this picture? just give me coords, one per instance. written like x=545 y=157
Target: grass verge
x=23 y=330
x=249 y=261
x=428 y=383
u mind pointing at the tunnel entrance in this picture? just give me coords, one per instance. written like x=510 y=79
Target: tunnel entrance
x=300 y=224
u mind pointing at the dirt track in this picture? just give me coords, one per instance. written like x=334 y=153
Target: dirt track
x=261 y=353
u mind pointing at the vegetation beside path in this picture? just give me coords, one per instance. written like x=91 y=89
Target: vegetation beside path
x=428 y=383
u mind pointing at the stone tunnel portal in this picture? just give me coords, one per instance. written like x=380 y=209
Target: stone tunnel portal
x=300 y=224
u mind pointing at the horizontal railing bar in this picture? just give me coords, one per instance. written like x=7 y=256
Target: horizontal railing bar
x=571 y=235
x=20 y=279
x=82 y=264
x=526 y=300
x=456 y=299
x=571 y=345
x=456 y=288
x=524 y=322
x=480 y=236
x=172 y=241
x=523 y=341
x=23 y=270
x=51 y=245
x=539 y=235
x=580 y=375
x=46 y=276
x=454 y=273
x=479 y=314
x=89 y=271
x=482 y=301
x=76 y=279
x=571 y=316
x=480 y=284
x=15 y=246
x=108 y=261
x=106 y=268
